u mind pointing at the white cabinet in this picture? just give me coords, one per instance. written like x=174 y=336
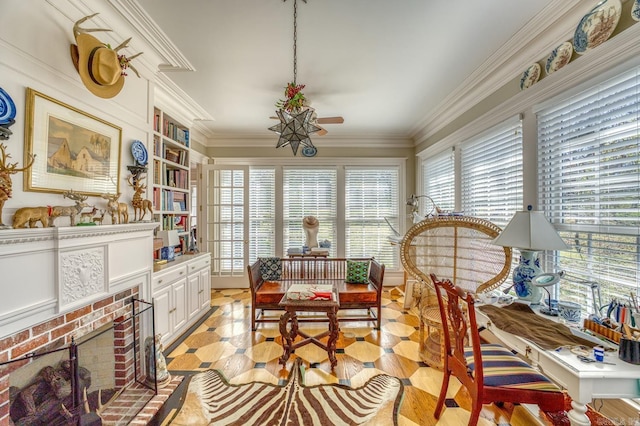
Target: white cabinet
x=181 y=294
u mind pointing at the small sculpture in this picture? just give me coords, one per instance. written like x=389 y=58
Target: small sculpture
x=140 y=205
x=6 y=170
x=87 y=217
x=31 y=216
x=119 y=211
x=310 y=225
x=156 y=362
x=71 y=211
x=98 y=219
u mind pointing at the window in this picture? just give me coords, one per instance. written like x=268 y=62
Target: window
x=309 y=192
x=262 y=213
x=371 y=194
x=351 y=203
x=491 y=171
x=439 y=179
x=589 y=178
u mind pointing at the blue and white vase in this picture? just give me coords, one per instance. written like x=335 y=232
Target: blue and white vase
x=527 y=269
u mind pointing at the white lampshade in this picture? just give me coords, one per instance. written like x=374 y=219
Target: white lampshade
x=530 y=230
x=169 y=238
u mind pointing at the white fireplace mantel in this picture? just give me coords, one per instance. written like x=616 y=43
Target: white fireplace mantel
x=50 y=271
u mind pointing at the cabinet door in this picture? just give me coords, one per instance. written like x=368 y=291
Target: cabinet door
x=162 y=306
x=193 y=289
x=204 y=292
x=179 y=304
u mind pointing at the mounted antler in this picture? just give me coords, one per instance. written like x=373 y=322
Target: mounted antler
x=77 y=29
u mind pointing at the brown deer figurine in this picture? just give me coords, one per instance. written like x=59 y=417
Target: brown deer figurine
x=98 y=219
x=140 y=205
x=119 y=211
x=71 y=211
x=6 y=170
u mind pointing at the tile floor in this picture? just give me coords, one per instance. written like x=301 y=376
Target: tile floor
x=225 y=342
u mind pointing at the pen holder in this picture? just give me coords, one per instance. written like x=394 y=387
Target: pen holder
x=629 y=351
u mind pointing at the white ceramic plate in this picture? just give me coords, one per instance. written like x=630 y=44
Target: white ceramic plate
x=597 y=26
x=530 y=76
x=635 y=10
x=560 y=56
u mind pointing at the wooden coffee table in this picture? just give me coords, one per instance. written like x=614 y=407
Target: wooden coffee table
x=290 y=317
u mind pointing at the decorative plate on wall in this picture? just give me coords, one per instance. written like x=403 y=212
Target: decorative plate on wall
x=530 y=76
x=597 y=26
x=635 y=10
x=139 y=152
x=309 y=151
x=560 y=56
x=7 y=108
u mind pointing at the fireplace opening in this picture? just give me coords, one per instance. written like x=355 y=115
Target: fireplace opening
x=97 y=379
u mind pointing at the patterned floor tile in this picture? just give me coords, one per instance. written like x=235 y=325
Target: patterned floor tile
x=364 y=351
x=264 y=352
x=215 y=351
x=408 y=350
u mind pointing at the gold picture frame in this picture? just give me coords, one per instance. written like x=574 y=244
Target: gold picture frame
x=72 y=149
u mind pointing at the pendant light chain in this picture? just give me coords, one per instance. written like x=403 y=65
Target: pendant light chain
x=295 y=41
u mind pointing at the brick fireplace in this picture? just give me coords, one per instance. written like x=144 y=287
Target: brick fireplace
x=65 y=283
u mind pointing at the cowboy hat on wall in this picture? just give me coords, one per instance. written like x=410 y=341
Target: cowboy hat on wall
x=101 y=68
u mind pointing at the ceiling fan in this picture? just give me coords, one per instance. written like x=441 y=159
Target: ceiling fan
x=318 y=121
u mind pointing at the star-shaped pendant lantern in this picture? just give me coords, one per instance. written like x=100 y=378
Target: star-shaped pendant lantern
x=294 y=129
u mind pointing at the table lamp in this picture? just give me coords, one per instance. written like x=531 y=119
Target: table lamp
x=530 y=232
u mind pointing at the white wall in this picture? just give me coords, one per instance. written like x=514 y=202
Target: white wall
x=34 y=52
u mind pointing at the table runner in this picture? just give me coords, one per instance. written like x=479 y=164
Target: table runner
x=520 y=320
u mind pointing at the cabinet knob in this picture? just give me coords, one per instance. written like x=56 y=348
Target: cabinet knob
x=200 y=291
x=159 y=281
x=181 y=272
x=172 y=310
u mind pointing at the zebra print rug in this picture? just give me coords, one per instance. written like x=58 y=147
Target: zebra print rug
x=212 y=400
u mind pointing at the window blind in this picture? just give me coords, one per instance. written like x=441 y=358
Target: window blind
x=262 y=213
x=438 y=174
x=309 y=192
x=371 y=194
x=589 y=178
x=491 y=172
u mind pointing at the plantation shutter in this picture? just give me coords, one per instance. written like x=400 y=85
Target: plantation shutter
x=491 y=171
x=589 y=177
x=262 y=213
x=309 y=192
x=439 y=179
x=371 y=195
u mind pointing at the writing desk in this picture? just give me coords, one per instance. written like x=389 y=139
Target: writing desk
x=583 y=381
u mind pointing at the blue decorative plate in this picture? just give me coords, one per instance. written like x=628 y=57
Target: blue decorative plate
x=530 y=76
x=139 y=152
x=7 y=108
x=309 y=151
x=597 y=26
x=559 y=57
x=635 y=10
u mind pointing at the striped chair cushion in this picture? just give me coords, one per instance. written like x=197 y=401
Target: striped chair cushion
x=504 y=369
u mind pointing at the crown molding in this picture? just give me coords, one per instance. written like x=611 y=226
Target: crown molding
x=605 y=61
x=138 y=18
x=249 y=141
x=553 y=25
x=172 y=99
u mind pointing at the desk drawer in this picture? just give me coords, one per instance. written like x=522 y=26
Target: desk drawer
x=199 y=264
x=168 y=277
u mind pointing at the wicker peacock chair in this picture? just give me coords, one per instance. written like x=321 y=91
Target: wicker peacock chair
x=457 y=248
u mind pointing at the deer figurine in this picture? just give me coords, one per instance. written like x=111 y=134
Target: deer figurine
x=140 y=205
x=71 y=211
x=98 y=219
x=119 y=211
x=6 y=170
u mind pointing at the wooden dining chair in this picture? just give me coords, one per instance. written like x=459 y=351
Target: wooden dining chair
x=490 y=372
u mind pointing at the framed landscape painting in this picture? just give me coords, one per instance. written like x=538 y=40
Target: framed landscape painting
x=72 y=149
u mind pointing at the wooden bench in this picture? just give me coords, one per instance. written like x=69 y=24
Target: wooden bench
x=265 y=295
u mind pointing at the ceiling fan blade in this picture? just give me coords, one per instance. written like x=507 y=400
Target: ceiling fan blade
x=331 y=120
x=321 y=132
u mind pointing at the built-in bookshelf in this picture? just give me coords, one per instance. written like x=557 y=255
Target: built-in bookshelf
x=171 y=180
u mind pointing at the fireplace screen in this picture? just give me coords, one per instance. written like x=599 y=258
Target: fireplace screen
x=99 y=378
